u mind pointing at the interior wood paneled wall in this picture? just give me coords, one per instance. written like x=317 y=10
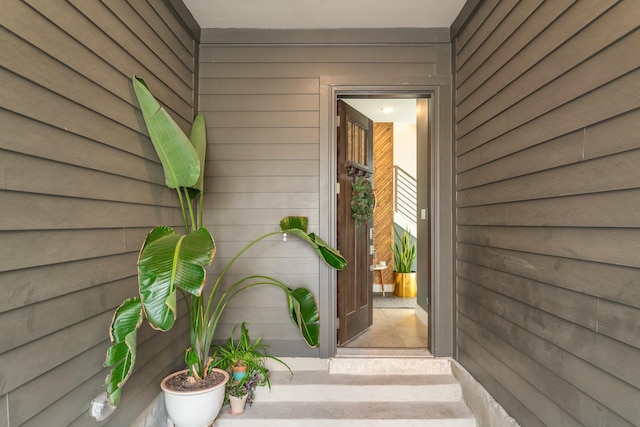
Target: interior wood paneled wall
x=81 y=186
x=548 y=196
x=383 y=186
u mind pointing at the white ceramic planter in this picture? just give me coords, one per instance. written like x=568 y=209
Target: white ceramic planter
x=194 y=408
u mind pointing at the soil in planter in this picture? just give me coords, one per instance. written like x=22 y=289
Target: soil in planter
x=181 y=382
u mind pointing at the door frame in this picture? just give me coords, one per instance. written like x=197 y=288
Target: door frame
x=441 y=210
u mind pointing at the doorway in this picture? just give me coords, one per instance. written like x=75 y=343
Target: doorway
x=388 y=321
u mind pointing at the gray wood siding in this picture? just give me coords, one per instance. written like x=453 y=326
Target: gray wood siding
x=80 y=186
x=547 y=111
x=260 y=93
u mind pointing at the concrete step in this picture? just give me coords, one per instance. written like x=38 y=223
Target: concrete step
x=389 y=365
x=347 y=414
x=385 y=392
x=317 y=386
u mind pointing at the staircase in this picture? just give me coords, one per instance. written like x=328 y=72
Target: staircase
x=405 y=200
x=359 y=392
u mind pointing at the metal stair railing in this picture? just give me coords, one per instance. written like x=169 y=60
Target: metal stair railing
x=405 y=194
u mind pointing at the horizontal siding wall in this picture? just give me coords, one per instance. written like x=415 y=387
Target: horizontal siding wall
x=548 y=202
x=80 y=186
x=260 y=93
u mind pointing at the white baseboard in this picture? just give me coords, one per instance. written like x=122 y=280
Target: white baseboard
x=388 y=287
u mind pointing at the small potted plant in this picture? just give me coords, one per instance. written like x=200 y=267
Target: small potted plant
x=237 y=395
x=245 y=362
x=242 y=392
x=251 y=358
x=404 y=255
x=243 y=357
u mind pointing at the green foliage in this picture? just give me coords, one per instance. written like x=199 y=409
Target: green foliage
x=246 y=386
x=404 y=252
x=176 y=152
x=251 y=355
x=122 y=355
x=243 y=353
x=362 y=200
x=298 y=225
x=170 y=262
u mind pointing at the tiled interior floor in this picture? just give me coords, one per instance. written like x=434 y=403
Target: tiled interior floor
x=392 y=328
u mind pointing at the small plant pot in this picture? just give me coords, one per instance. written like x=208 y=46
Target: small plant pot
x=239 y=372
x=237 y=404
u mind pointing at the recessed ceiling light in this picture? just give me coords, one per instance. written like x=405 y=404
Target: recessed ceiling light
x=387 y=110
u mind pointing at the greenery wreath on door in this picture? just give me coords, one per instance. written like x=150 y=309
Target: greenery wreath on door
x=362 y=200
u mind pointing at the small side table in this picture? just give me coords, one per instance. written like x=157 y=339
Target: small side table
x=380 y=268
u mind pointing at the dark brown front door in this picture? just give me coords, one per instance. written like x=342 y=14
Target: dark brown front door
x=355 y=282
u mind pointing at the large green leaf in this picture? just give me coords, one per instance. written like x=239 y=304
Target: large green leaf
x=298 y=225
x=294 y=222
x=177 y=155
x=122 y=353
x=331 y=256
x=304 y=313
x=169 y=260
x=198 y=138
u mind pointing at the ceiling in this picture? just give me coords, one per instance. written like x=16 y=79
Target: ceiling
x=404 y=110
x=319 y=14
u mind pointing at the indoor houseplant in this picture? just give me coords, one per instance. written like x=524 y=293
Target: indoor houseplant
x=404 y=255
x=171 y=263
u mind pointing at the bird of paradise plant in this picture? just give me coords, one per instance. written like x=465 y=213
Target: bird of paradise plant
x=170 y=262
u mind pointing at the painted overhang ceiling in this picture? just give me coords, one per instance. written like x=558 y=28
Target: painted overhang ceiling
x=324 y=14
